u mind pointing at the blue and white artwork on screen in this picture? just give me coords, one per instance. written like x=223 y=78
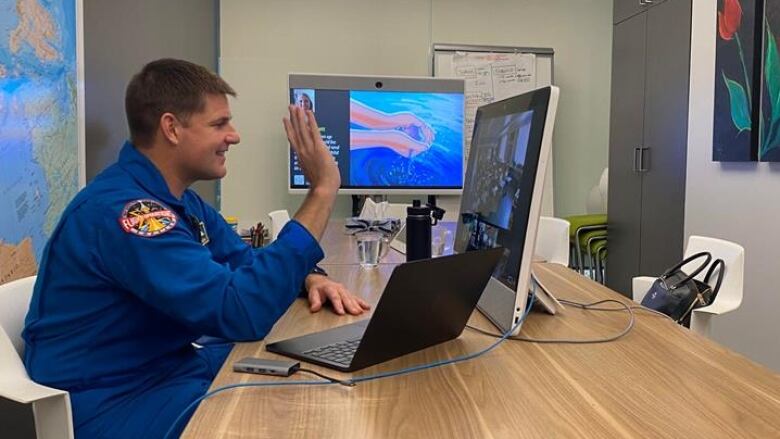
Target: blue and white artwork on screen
x=419 y=145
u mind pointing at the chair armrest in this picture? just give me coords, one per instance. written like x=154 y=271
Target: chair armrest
x=639 y=287
x=53 y=412
x=26 y=392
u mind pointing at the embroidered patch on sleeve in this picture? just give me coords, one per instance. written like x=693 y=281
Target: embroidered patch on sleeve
x=147 y=218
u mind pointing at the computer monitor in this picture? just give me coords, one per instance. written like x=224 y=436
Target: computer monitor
x=502 y=195
x=389 y=135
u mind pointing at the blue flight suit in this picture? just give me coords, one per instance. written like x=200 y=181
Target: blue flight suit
x=124 y=290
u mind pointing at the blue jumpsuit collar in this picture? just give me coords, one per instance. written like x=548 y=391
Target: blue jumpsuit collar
x=146 y=174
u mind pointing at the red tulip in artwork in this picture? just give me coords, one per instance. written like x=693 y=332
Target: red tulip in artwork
x=729 y=19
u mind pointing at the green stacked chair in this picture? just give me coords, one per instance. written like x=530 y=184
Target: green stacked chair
x=588 y=233
x=599 y=250
x=585 y=232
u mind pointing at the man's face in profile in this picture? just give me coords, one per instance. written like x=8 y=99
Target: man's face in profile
x=206 y=138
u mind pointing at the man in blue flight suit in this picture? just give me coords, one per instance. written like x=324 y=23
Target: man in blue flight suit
x=139 y=267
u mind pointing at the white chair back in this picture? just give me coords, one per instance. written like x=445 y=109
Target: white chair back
x=552 y=240
x=51 y=407
x=14 y=301
x=731 y=290
x=597 y=197
x=278 y=219
x=729 y=297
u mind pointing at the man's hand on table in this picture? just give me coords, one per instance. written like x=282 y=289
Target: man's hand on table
x=321 y=289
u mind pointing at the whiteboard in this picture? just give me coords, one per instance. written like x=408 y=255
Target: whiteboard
x=449 y=61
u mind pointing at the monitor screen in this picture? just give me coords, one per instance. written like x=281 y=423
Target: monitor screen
x=502 y=194
x=387 y=134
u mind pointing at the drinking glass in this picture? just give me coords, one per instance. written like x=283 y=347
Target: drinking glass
x=368 y=248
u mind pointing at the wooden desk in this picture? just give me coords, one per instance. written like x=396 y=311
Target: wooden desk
x=660 y=380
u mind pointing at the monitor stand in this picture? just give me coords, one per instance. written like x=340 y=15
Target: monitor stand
x=544 y=297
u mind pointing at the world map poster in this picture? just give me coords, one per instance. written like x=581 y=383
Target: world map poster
x=39 y=127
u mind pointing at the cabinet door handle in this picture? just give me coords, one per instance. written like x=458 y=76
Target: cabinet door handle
x=634 y=166
x=642 y=167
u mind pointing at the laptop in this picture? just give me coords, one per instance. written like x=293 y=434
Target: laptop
x=425 y=302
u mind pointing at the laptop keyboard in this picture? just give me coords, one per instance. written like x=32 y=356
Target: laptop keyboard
x=340 y=352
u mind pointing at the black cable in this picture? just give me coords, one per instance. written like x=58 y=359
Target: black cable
x=331 y=379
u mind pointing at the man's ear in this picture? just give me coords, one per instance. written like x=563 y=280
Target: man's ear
x=170 y=127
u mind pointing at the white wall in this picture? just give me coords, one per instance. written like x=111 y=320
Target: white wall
x=580 y=32
x=261 y=42
x=733 y=201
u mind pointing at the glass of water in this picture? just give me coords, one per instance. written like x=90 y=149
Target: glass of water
x=441 y=242
x=368 y=248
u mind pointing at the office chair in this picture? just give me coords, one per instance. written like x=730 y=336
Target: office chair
x=590 y=228
x=552 y=240
x=278 y=219
x=729 y=297
x=51 y=407
x=598 y=254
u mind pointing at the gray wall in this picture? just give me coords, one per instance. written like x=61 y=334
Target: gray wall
x=261 y=42
x=119 y=38
x=733 y=201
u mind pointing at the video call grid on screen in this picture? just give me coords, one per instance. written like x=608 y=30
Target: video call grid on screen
x=387 y=134
x=499 y=186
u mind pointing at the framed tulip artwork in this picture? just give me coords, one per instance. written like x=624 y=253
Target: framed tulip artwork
x=769 y=142
x=738 y=80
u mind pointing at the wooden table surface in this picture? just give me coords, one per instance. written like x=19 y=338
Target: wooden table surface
x=660 y=380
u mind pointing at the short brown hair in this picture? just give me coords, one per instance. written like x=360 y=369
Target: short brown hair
x=168 y=86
